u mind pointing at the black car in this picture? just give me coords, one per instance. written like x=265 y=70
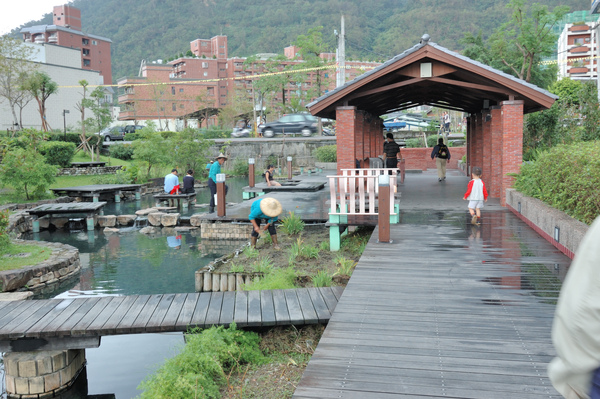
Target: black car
x=133 y=128
x=305 y=124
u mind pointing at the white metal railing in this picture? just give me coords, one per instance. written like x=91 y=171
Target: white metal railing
x=356 y=191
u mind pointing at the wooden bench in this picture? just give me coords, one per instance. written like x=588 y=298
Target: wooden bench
x=87 y=164
x=187 y=199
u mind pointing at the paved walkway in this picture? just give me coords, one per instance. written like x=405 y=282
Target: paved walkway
x=445 y=310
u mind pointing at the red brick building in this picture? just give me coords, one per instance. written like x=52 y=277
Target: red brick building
x=66 y=32
x=214 y=77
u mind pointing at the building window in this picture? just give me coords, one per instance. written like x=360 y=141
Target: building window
x=210 y=91
x=181 y=90
x=205 y=73
x=174 y=107
x=95 y=43
x=87 y=63
x=203 y=44
x=578 y=40
x=173 y=90
x=181 y=106
x=205 y=65
x=326 y=75
x=85 y=42
x=86 y=52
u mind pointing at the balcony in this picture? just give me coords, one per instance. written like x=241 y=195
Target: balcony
x=126 y=97
x=579 y=49
x=578 y=70
x=579 y=28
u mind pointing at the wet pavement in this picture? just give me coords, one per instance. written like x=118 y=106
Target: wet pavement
x=446 y=308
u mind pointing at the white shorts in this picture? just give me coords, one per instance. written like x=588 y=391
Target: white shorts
x=474 y=204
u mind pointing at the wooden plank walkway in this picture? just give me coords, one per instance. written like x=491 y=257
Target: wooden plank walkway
x=431 y=315
x=93 y=317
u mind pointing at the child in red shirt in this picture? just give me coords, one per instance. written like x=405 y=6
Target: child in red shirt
x=476 y=194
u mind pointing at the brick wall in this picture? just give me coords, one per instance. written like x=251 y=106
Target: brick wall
x=512 y=143
x=420 y=158
x=225 y=231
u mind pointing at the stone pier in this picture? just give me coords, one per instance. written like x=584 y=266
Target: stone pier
x=41 y=374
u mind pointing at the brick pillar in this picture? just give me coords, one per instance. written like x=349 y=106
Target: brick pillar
x=512 y=143
x=495 y=179
x=345 y=118
x=41 y=373
x=478 y=142
x=486 y=145
x=360 y=132
x=469 y=144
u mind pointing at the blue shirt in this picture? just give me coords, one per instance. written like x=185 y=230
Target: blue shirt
x=171 y=181
x=214 y=170
x=256 y=213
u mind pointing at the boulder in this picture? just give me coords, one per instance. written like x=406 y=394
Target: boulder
x=144 y=212
x=169 y=219
x=148 y=230
x=195 y=220
x=110 y=230
x=44 y=222
x=126 y=220
x=59 y=223
x=155 y=218
x=107 y=221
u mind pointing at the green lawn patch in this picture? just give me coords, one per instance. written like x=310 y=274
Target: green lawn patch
x=18 y=256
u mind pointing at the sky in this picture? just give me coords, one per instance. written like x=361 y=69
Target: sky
x=20 y=12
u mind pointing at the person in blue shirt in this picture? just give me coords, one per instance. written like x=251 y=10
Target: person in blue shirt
x=268 y=209
x=215 y=169
x=172 y=184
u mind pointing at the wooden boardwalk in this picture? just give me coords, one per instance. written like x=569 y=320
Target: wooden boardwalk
x=93 y=317
x=432 y=315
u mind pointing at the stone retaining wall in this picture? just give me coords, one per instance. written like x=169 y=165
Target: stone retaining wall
x=84 y=171
x=63 y=264
x=545 y=220
x=225 y=231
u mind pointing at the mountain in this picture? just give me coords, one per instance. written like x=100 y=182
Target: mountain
x=375 y=30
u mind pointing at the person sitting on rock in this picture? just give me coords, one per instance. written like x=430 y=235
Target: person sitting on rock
x=269 y=176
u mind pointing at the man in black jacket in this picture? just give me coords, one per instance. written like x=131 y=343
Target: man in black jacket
x=391 y=152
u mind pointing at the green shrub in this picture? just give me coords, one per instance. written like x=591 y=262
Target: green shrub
x=251 y=253
x=263 y=265
x=122 y=151
x=240 y=167
x=345 y=266
x=200 y=369
x=121 y=177
x=58 y=153
x=4 y=239
x=292 y=224
x=132 y=136
x=277 y=279
x=215 y=133
x=414 y=143
x=168 y=134
x=327 y=153
x=432 y=140
x=567 y=178
x=322 y=279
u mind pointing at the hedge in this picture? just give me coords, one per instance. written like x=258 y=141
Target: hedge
x=567 y=178
x=326 y=153
x=58 y=153
x=122 y=151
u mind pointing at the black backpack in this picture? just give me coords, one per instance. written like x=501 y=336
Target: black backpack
x=443 y=152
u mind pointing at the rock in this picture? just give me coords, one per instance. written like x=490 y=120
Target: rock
x=195 y=220
x=155 y=218
x=110 y=230
x=107 y=221
x=148 y=230
x=169 y=219
x=126 y=220
x=185 y=228
x=59 y=223
x=44 y=222
x=144 y=212
x=15 y=296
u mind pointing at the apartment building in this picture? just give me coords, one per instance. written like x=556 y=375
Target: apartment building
x=209 y=80
x=578 y=52
x=66 y=32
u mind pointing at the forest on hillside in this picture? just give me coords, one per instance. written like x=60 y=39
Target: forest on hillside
x=378 y=30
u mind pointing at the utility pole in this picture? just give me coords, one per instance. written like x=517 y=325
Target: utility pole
x=340 y=54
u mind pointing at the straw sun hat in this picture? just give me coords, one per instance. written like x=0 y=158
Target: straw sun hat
x=270 y=207
x=221 y=155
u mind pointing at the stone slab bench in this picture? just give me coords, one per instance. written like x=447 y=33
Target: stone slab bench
x=182 y=199
x=87 y=164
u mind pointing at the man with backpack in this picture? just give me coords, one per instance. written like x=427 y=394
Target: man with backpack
x=441 y=153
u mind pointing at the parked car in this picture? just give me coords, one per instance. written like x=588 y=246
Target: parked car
x=305 y=124
x=113 y=133
x=133 y=128
x=327 y=131
x=240 y=132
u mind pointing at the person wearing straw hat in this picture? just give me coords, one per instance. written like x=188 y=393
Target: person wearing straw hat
x=215 y=169
x=268 y=209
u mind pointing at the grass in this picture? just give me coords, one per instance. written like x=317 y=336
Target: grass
x=37 y=255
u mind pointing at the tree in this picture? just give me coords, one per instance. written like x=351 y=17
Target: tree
x=190 y=149
x=41 y=86
x=521 y=42
x=150 y=150
x=238 y=106
x=81 y=106
x=311 y=47
x=97 y=104
x=26 y=172
x=15 y=66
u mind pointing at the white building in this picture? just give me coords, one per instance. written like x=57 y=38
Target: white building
x=578 y=52
x=63 y=65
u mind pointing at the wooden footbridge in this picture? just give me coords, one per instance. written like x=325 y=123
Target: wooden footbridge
x=80 y=322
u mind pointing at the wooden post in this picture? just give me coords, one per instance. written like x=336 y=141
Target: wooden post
x=251 y=172
x=221 y=199
x=118 y=196
x=384 y=209
x=289 y=167
x=231 y=282
x=207 y=282
x=224 y=282
x=239 y=280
